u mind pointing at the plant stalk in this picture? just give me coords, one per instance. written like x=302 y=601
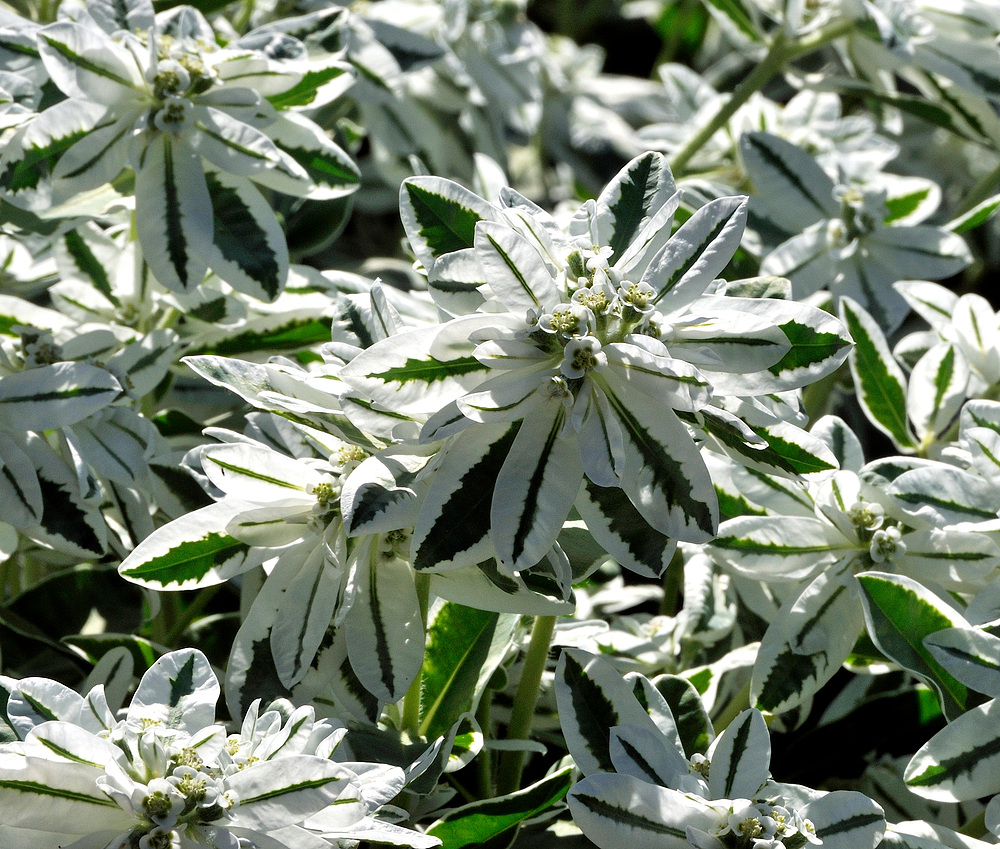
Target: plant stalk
x=736 y=705
x=197 y=605
x=986 y=187
x=523 y=712
x=411 y=701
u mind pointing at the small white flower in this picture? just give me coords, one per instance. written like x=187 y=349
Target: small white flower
x=161 y=838
x=582 y=354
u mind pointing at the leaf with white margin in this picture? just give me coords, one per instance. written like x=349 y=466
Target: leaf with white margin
x=618 y=810
x=193 y=551
x=143 y=364
x=65 y=794
x=593 y=698
x=422 y=370
x=88 y=65
x=655 y=233
x=174 y=212
x=385 y=634
x=535 y=489
x=818 y=344
x=470 y=585
x=962 y=761
x=936 y=391
x=33 y=701
x=979 y=214
x=846 y=819
x=957 y=560
x=96 y=159
x=232 y=145
x=696 y=254
x=841 y=440
x=628 y=203
x=514 y=269
x=20 y=488
x=621 y=530
x=915 y=834
x=452 y=528
x=769 y=548
x=740 y=757
x=807 y=641
x=793 y=188
x=70 y=523
x=971 y=655
x=899 y=613
x=179 y=689
x=288 y=790
x=380 y=495
x=30 y=156
x=664 y=378
x=643 y=754
x=440 y=216
x=663 y=475
x=940 y=494
x=252 y=472
x=302 y=620
x=54 y=396
x=909 y=200
x=919 y=251
x=64 y=741
x=248 y=248
x=975 y=325
x=116 y=443
x=332 y=172
x=931 y=301
x=880 y=383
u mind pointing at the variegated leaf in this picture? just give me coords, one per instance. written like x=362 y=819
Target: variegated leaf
x=440 y=216
x=740 y=758
x=54 y=396
x=846 y=819
x=180 y=690
x=940 y=494
x=514 y=270
x=969 y=654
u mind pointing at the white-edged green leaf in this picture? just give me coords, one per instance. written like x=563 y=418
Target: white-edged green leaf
x=807 y=641
x=593 y=698
x=94 y=160
x=440 y=216
x=385 y=634
x=846 y=819
x=514 y=269
x=421 y=370
x=961 y=761
x=971 y=655
x=632 y=198
x=255 y=473
x=962 y=561
x=484 y=587
x=54 y=396
x=192 y=551
x=975 y=217
x=380 y=495
x=452 y=528
x=285 y=791
x=248 y=248
x=663 y=474
x=536 y=487
x=619 y=810
x=697 y=253
x=941 y=494
x=880 y=383
x=740 y=758
x=180 y=690
x=88 y=65
x=899 y=613
x=29 y=158
x=142 y=365
x=173 y=213
x=302 y=620
x=622 y=531
x=931 y=301
x=794 y=189
x=791 y=548
x=20 y=488
x=116 y=444
x=332 y=172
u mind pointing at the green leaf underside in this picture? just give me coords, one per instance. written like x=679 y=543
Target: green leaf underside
x=189 y=561
x=465 y=516
x=239 y=238
x=790 y=669
x=477 y=823
x=625 y=817
x=912 y=618
x=593 y=712
x=808 y=346
x=445 y=224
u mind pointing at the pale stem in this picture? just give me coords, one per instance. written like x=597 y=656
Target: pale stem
x=190 y=613
x=411 y=701
x=523 y=711
x=737 y=704
x=778 y=55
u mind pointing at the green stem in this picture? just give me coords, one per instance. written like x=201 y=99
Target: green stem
x=523 y=712
x=780 y=53
x=189 y=614
x=484 y=760
x=737 y=704
x=976 y=827
x=411 y=701
x=986 y=187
